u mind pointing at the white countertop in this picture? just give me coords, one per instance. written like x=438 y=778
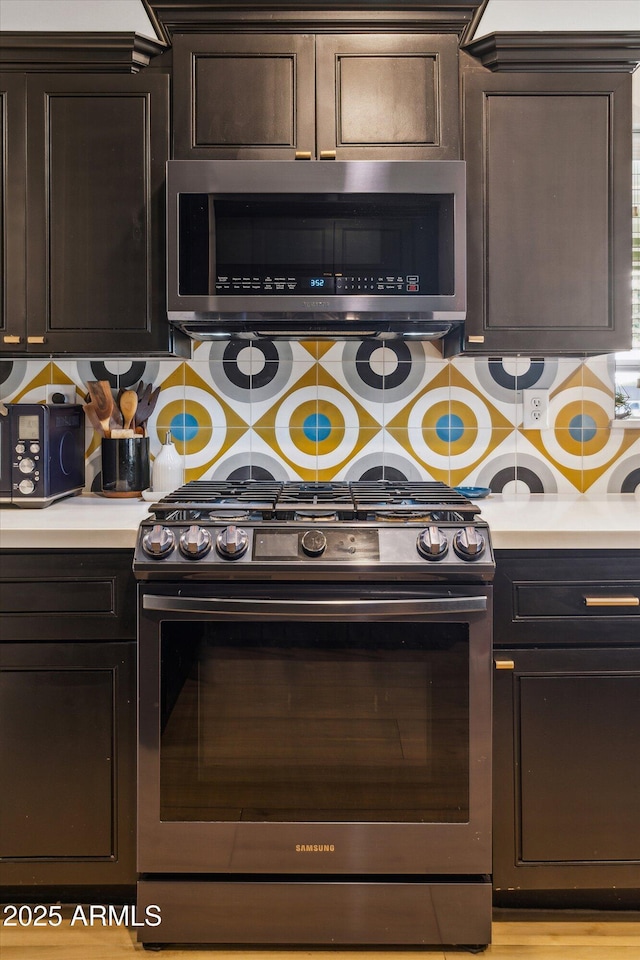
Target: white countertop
x=520 y=521
x=562 y=521
x=89 y=521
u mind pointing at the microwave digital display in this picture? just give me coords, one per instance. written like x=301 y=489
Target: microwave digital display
x=398 y=244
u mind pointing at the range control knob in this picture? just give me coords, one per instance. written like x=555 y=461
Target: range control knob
x=26 y=487
x=158 y=542
x=432 y=543
x=232 y=542
x=314 y=543
x=195 y=542
x=469 y=543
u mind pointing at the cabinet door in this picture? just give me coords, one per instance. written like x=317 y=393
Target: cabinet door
x=549 y=229
x=566 y=776
x=12 y=212
x=243 y=97
x=67 y=763
x=389 y=97
x=97 y=147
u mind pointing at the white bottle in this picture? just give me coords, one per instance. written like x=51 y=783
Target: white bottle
x=168 y=470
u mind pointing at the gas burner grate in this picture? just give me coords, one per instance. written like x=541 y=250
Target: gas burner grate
x=316 y=493
x=266 y=499
x=406 y=493
x=219 y=492
x=411 y=500
x=201 y=499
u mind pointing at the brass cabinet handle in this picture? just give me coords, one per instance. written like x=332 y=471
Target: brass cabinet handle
x=11 y=339
x=474 y=339
x=327 y=154
x=35 y=340
x=505 y=664
x=303 y=154
x=612 y=601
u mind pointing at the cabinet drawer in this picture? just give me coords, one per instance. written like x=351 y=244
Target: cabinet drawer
x=67 y=595
x=585 y=599
x=567 y=597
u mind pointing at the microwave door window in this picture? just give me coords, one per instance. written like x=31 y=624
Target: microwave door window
x=368 y=248
x=302 y=245
x=195 y=245
x=285 y=243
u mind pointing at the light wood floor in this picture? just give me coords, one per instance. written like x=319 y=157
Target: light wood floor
x=560 y=938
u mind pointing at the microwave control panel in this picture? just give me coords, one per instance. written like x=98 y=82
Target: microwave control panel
x=330 y=285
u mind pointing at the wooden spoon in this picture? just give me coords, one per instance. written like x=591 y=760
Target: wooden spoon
x=92 y=417
x=146 y=405
x=128 y=407
x=102 y=399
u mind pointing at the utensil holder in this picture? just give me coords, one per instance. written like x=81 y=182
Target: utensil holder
x=125 y=466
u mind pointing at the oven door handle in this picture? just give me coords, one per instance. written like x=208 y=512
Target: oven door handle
x=333 y=609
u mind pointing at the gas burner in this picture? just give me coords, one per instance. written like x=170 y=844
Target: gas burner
x=399 y=516
x=316 y=516
x=230 y=516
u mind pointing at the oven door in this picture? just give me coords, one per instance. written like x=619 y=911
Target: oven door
x=340 y=732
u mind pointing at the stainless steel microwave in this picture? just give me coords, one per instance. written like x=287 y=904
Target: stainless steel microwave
x=317 y=249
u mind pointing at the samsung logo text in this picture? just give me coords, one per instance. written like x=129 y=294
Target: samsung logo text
x=315 y=848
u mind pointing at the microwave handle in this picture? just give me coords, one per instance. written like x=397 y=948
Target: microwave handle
x=249 y=608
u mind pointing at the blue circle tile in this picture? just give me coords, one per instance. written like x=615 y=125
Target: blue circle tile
x=450 y=428
x=582 y=428
x=317 y=427
x=184 y=427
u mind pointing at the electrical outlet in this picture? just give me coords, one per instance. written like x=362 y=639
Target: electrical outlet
x=60 y=393
x=535 y=412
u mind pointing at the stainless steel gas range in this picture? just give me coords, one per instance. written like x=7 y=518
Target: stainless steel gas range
x=315 y=714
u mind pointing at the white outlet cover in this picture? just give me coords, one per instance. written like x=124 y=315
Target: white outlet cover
x=535 y=408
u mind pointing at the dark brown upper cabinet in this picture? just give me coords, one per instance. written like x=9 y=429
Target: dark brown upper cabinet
x=84 y=261
x=300 y=96
x=549 y=211
x=12 y=210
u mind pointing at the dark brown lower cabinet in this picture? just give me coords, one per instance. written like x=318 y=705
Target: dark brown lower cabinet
x=567 y=770
x=68 y=722
x=567 y=776
x=67 y=764
x=566 y=752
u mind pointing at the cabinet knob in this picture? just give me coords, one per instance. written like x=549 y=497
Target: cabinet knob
x=11 y=339
x=36 y=340
x=303 y=154
x=327 y=154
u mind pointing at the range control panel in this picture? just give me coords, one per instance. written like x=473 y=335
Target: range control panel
x=442 y=546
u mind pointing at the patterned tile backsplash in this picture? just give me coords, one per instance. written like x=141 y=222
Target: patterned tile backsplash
x=321 y=411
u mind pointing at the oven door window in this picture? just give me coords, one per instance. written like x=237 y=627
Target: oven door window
x=327 y=722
